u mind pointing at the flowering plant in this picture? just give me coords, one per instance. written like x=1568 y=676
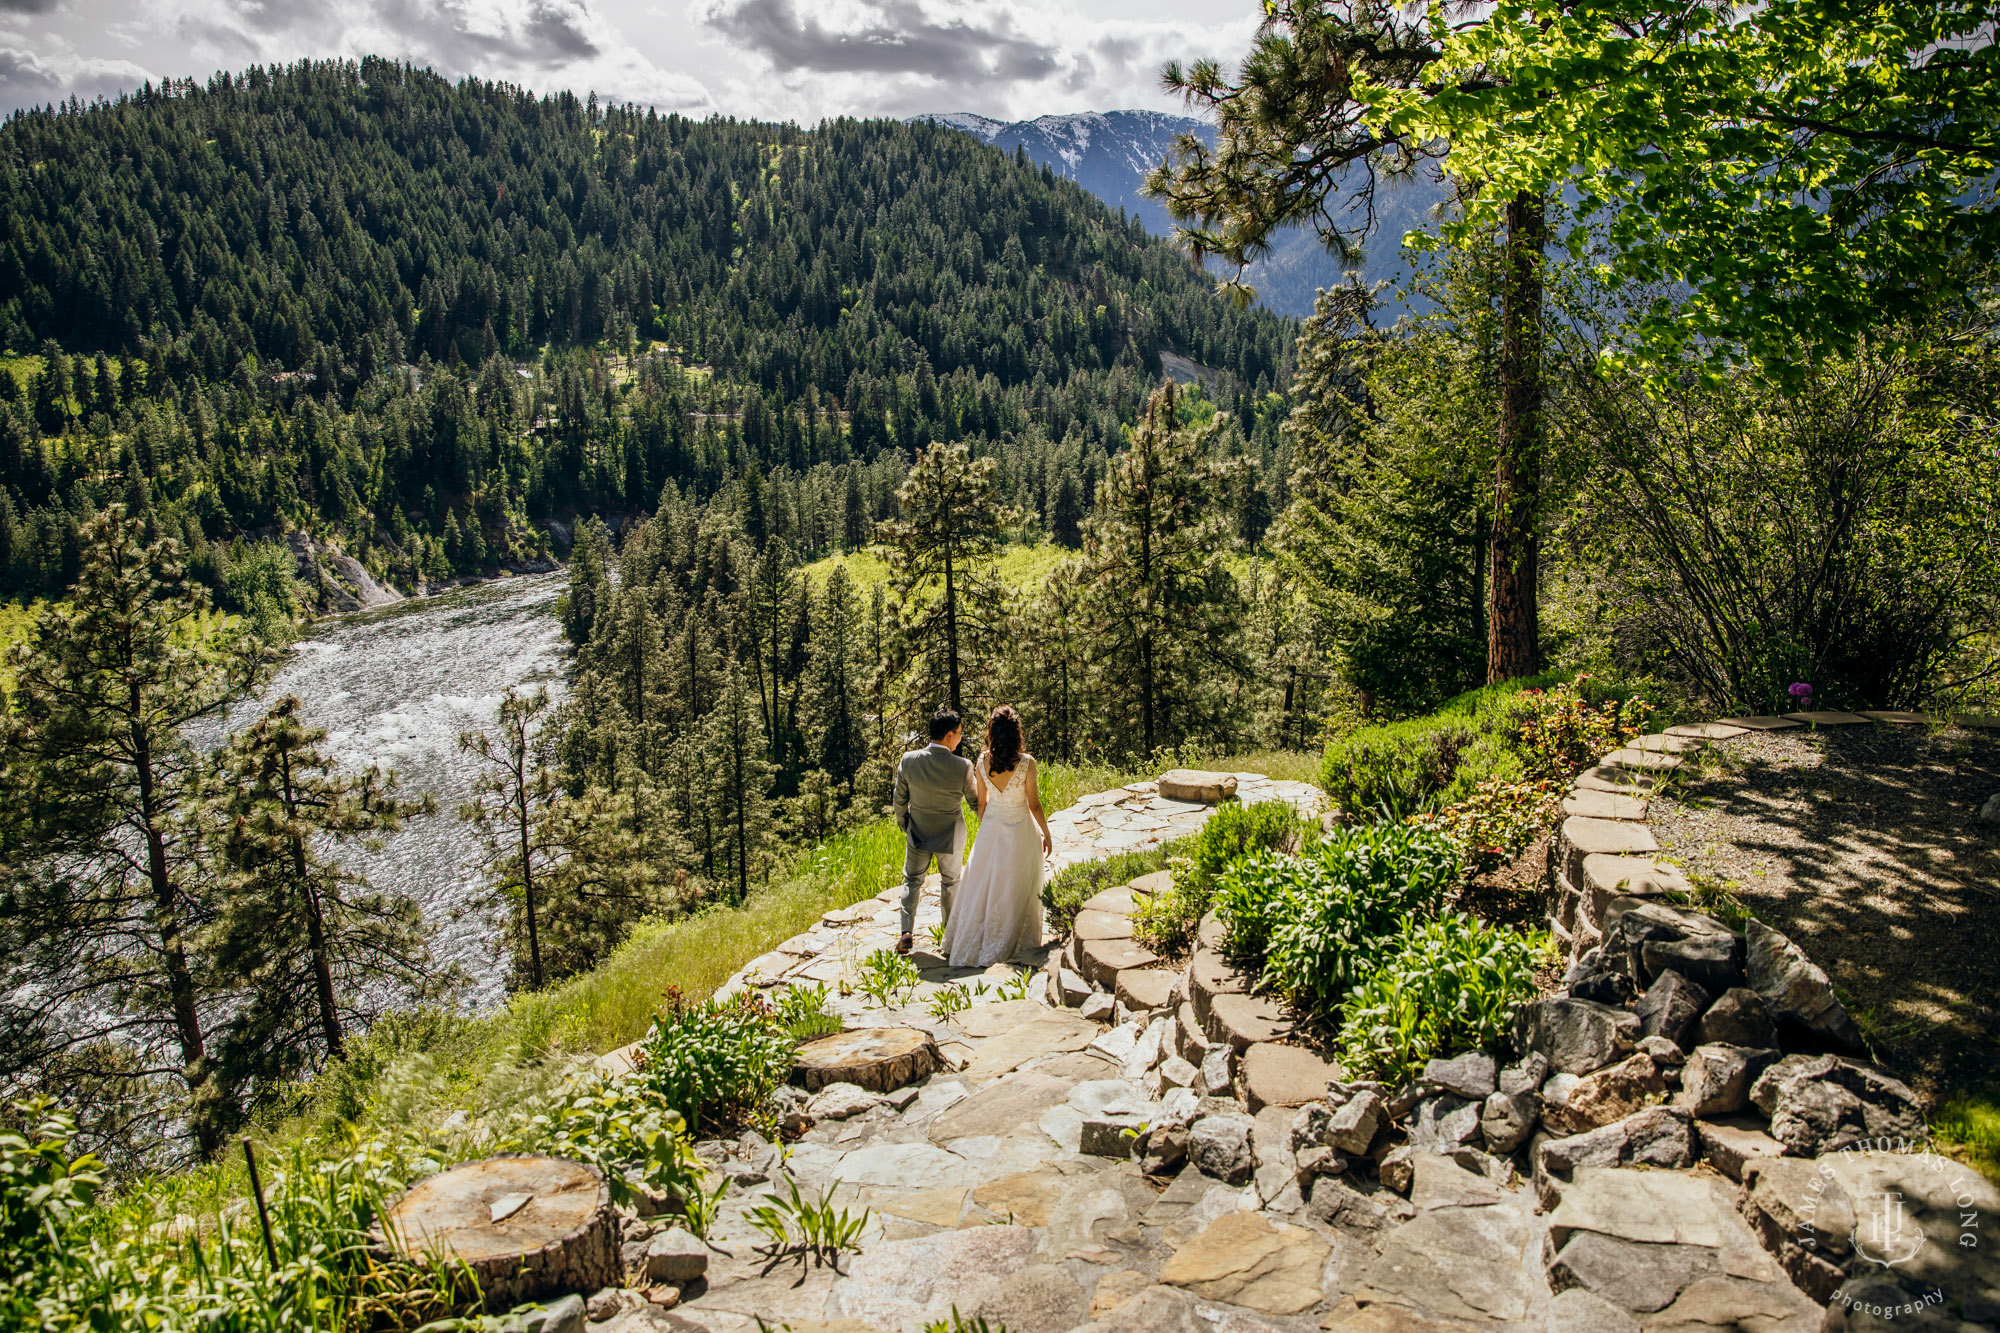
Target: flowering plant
x=1497 y=822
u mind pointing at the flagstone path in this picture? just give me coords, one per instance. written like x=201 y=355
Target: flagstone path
x=981 y=1196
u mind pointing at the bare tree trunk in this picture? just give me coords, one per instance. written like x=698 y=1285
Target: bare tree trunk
x=1512 y=628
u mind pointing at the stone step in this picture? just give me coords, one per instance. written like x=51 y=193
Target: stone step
x=1618 y=781
x=1144 y=989
x=1661 y=743
x=1826 y=717
x=1275 y=1075
x=1891 y=715
x=1244 y=1020
x=1210 y=933
x=1118 y=901
x=1102 y=960
x=1191 y=1041
x=1643 y=760
x=1609 y=876
x=1157 y=882
x=1604 y=805
x=1756 y=722
x=1095 y=925
x=1583 y=836
x=1209 y=975
x=1706 y=731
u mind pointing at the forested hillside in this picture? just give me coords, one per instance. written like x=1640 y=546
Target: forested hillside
x=422 y=317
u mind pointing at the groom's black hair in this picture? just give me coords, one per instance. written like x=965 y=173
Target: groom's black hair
x=943 y=723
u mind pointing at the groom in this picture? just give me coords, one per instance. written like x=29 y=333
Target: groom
x=930 y=783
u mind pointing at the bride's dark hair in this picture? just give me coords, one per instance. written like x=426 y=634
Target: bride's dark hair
x=1003 y=739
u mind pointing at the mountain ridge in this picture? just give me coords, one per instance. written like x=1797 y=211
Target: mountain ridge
x=1110 y=153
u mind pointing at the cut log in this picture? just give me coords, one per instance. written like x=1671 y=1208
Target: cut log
x=878 y=1059
x=527 y=1226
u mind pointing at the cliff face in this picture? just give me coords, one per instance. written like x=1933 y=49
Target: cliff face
x=334 y=580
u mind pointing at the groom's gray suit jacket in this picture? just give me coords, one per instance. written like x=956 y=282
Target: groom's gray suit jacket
x=930 y=785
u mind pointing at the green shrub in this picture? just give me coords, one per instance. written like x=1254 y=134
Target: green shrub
x=1560 y=731
x=1318 y=922
x=716 y=1063
x=626 y=1129
x=801 y=1012
x=1072 y=887
x=1442 y=986
x=1165 y=922
x=1400 y=768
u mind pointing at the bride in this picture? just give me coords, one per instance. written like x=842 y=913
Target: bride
x=997 y=911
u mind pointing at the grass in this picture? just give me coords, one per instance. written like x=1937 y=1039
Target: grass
x=1968 y=1126
x=1022 y=567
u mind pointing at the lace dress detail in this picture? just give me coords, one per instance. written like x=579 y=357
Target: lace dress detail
x=997 y=911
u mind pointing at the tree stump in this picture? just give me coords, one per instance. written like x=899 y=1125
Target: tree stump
x=527 y=1226
x=879 y=1059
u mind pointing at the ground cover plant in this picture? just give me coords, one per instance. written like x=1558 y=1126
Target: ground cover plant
x=1166 y=921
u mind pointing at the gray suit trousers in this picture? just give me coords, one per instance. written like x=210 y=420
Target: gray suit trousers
x=917 y=864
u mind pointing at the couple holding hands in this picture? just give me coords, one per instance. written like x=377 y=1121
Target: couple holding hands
x=994 y=911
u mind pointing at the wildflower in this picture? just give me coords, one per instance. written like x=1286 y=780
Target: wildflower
x=1801 y=691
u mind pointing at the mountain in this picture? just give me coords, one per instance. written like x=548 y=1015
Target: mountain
x=430 y=317
x=1109 y=153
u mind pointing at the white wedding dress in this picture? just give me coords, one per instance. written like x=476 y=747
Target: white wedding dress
x=997 y=911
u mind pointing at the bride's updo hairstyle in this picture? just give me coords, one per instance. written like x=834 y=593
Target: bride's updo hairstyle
x=1003 y=739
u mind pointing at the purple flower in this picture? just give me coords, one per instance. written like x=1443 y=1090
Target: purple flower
x=1801 y=690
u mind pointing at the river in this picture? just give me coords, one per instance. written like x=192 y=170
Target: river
x=395 y=687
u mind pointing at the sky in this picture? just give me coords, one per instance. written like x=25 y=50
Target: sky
x=780 y=59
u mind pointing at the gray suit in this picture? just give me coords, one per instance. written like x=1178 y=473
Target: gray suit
x=930 y=784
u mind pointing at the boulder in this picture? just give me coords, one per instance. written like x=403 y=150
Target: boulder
x=1220 y=1146
x=1656 y=937
x=1657 y=1136
x=1163 y=1149
x=1733 y=1143
x=1833 y=1104
x=1665 y=1054
x=1474 y=1074
x=1764 y=1090
x=1577 y=1036
x=1507 y=1119
x=1793 y=987
x=1191 y=784
x=1445 y=1122
x=1398 y=1169
x=1716 y=1079
x=1217 y=1068
x=1073 y=989
x=1527 y=1076
x=1352 y=1128
x=1737 y=1018
x=842 y=1101
x=677 y=1256
x=1338 y=1205
x=1671 y=1007
x=1098 y=1007
x=1607 y=1095
x=1110 y=1134
x=1146 y=1052
x=1177 y=1073
x=1633 y=1275
x=1592 y=977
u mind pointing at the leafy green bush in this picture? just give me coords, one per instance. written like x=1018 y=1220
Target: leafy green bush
x=626 y=1129
x=1560 y=731
x=1318 y=922
x=716 y=1063
x=1073 y=886
x=1166 y=922
x=1445 y=985
x=1400 y=768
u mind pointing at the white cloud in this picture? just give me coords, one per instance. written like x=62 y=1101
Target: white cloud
x=29 y=78
x=1008 y=58
x=541 y=44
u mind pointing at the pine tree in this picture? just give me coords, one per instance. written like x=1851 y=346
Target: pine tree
x=837 y=678
x=513 y=793
x=854 y=518
x=1050 y=665
x=739 y=784
x=306 y=948
x=1066 y=511
x=952 y=602
x=101 y=772
x=1168 y=612
x=589 y=592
